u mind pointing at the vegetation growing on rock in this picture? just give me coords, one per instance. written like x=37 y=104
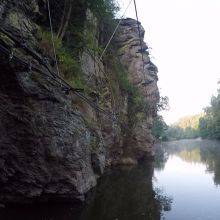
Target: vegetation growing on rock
x=61 y=140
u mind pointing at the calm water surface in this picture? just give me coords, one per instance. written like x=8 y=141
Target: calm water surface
x=189 y=172
x=182 y=184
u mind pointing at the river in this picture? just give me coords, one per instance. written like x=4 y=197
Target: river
x=182 y=184
x=189 y=172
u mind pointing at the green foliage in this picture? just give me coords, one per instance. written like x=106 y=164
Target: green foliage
x=105 y=10
x=163 y=104
x=177 y=133
x=189 y=121
x=185 y=128
x=121 y=75
x=159 y=128
x=126 y=86
x=81 y=36
x=80 y=33
x=204 y=124
x=137 y=106
x=46 y=42
x=95 y=142
x=136 y=100
x=209 y=125
x=69 y=67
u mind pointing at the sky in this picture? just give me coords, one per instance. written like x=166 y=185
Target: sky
x=185 y=39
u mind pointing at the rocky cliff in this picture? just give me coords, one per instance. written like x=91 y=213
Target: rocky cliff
x=55 y=141
x=142 y=73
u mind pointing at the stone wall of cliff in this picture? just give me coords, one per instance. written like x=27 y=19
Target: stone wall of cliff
x=142 y=73
x=53 y=144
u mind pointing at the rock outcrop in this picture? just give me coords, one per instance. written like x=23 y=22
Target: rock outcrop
x=54 y=145
x=143 y=75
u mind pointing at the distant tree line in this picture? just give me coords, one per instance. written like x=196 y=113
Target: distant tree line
x=177 y=133
x=205 y=125
x=185 y=128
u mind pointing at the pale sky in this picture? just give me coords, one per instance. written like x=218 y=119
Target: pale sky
x=185 y=40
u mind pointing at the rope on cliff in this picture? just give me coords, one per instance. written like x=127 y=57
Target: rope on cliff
x=139 y=32
x=103 y=52
x=116 y=28
x=52 y=36
x=36 y=57
x=66 y=87
x=105 y=74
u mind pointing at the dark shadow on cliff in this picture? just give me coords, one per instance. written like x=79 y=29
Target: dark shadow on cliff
x=124 y=193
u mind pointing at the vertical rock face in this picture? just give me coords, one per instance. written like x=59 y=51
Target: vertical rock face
x=53 y=146
x=44 y=141
x=143 y=75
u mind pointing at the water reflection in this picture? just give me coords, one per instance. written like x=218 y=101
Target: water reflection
x=161 y=157
x=124 y=193
x=127 y=193
x=206 y=152
x=186 y=170
x=189 y=171
x=41 y=212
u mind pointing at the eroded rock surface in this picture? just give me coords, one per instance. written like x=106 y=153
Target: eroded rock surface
x=54 y=146
x=143 y=74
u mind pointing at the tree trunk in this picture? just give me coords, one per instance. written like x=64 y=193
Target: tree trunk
x=65 y=19
x=66 y=22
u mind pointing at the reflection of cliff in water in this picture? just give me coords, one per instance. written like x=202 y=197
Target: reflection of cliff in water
x=206 y=152
x=127 y=193
x=122 y=193
x=161 y=157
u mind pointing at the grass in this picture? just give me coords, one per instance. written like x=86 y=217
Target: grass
x=70 y=68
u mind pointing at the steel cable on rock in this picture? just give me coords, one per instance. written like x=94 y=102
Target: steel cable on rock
x=37 y=57
x=53 y=75
x=139 y=33
x=52 y=37
x=64 y=84
x=116 y=28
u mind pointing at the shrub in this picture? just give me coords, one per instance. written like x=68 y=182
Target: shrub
x=69 y=67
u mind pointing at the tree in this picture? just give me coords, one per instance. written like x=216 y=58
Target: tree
x=209 y=125
x=163 y=104
x=65 y=19
x=203 y=127
x=159 y=128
